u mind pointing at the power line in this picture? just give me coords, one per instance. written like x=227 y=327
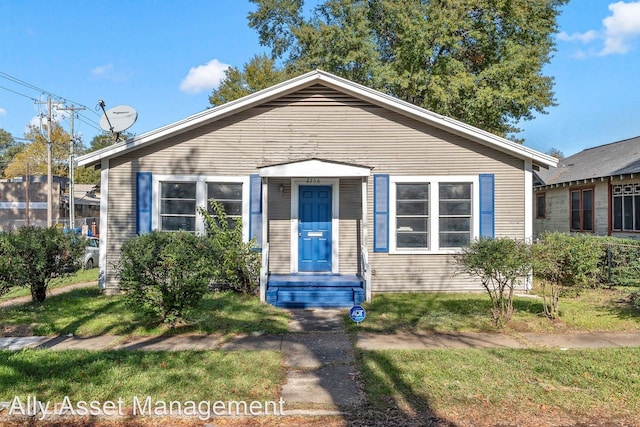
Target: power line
x=41 y=90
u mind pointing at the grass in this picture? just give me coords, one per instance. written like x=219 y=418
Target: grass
x=108 y=375
x=591 y=310
x=505 y=385
x=87 y=312
x=82 y=276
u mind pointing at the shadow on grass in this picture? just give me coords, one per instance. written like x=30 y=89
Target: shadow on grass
x=391 y=400
x=437 y=312
x=88 y=312
x=622 y=304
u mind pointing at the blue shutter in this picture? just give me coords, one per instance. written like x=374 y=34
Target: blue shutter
x=255 y=209
x=487 y=205
x=381 y=213
x=144 y=191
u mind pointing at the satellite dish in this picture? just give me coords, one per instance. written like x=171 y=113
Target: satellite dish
x=118 y=119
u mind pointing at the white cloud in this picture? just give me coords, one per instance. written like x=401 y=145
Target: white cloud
x=621 y=27
x=581 y=37
x=3 y=112
x=108 y=72
x=204 y=77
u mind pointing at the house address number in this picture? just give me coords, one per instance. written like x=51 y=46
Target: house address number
x=313 y=180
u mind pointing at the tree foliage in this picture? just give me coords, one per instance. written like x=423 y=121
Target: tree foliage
x=500 y=264
x=31 y=257
x=35 y=154
x=260 y=73
x=9 y=148
x=479 y=61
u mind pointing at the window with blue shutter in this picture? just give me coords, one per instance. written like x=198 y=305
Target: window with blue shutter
x=255 y=209
x=487 y=205
x=144 y=191
x=381 y=213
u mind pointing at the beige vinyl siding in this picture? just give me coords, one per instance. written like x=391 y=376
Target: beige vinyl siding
x=279 y=212
x=350 y=219
x=324 y=124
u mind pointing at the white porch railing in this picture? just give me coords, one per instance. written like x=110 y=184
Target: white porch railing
x=366 y=272
x=264 y=273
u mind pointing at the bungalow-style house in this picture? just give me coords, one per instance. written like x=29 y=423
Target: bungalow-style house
x=346 y=191
x=594 y=191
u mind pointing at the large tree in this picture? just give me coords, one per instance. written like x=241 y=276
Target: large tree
x=9 y=148
x=259 y=73
x=479 y=61
x=35 y=154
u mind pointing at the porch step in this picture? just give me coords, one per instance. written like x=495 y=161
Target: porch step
x=314 y=280
x=313 y=296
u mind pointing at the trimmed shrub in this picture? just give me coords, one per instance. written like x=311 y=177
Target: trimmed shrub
x=501 y=264
x=32 y=256
x=165 y=274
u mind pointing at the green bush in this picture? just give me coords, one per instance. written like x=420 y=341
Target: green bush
x=577 y=259
x=620 y=262
x=31 y=257
x=165 y=274
x=500 y=264
x=235 y=264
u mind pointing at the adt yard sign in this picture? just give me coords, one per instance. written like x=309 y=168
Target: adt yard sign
x=357 y=313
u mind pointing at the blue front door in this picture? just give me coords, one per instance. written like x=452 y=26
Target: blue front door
x=314 y=229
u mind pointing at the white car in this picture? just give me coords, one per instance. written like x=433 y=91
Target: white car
x=92 y=253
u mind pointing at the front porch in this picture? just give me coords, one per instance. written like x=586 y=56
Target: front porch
x=314 y=290
x=314 y=233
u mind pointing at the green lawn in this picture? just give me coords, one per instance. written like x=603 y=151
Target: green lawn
x=591 y=310
x=87 y=312
x=506 y=386
x=82 y=276
x=108 y=375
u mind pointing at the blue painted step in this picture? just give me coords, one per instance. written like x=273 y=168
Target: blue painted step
x=309 y=296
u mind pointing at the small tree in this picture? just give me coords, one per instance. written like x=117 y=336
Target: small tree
x=235 y=264
x=31 y=257
x=164 y=274
x=500 y=264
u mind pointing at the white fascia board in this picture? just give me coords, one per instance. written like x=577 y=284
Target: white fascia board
x=314 y=169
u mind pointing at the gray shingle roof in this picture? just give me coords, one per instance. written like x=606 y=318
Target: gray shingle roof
x=616 y=158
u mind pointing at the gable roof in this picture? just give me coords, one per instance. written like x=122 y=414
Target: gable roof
x=336 y=83
x=604 y=161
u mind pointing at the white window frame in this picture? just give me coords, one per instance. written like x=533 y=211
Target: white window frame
x=201 y=197
x=434 y=211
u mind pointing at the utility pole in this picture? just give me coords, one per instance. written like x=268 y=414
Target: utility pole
x=49 y=172
x=72 y=211
x=49 y=155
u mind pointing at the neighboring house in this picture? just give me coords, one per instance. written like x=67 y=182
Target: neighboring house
x=25 y=203
x=346 y=191
x=595 y=191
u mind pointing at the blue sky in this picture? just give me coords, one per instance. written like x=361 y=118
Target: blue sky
x=164 y=57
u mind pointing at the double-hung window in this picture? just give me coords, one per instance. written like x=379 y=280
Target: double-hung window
x=431 y=214
x=178 y=206
x=180 y=198
x=582 y=209
x=626 y=207
x=229 y=195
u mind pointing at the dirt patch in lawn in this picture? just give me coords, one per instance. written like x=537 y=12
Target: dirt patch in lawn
x=16 y=330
